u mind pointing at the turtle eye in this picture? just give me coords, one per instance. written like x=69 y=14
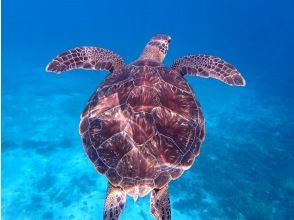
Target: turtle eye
x=169 y=40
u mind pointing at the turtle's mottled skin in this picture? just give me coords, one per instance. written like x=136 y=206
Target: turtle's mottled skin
x=143 y=126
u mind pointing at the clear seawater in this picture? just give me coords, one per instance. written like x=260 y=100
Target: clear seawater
x=246 y=167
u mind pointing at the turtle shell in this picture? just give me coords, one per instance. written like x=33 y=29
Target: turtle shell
x=142 y=127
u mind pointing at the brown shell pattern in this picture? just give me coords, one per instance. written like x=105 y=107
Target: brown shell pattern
x=143 y=126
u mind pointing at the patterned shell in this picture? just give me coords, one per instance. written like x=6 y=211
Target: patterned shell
x=142 y=127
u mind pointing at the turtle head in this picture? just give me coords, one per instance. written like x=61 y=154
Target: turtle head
x=156 y=48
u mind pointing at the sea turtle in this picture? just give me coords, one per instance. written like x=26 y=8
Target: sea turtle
x=143 y=126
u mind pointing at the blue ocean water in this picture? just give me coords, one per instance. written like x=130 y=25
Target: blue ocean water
x=245 y=169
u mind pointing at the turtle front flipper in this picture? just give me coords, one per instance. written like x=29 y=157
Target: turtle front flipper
x=91 y=58
x=209 y=66
x=159 y=204
x=114 y=203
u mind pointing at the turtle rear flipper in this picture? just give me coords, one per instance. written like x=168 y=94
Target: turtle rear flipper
x=160 y=204
x=114 y=203
x=91 y=58
x=209 y=67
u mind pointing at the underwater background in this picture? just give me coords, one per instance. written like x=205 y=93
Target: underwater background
x=246 y=167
